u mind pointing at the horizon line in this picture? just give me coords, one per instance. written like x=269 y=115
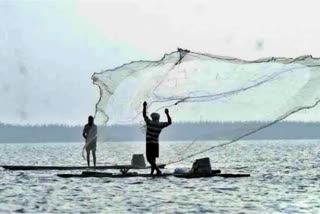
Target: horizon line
x=134 y=124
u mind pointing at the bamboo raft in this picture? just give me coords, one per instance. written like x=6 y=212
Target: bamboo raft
x=89 y=174
x=124 y=167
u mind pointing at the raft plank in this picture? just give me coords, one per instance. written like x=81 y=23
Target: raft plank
x=87 y=174
x=225 y=175
x=21 y=167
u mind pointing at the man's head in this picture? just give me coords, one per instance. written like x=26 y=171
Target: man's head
x=90 y=120
x=155 y=117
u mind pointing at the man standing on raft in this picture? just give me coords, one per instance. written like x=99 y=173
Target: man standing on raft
x=154 y=128
x=90 y=134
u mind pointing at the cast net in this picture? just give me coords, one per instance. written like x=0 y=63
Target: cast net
x=197 y=87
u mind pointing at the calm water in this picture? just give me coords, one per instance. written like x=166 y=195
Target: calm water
x=285 y=179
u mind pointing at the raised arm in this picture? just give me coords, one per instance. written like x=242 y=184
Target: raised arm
x=168 y=116
x=144 y=111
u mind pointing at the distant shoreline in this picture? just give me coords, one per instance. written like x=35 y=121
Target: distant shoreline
x=176 y=132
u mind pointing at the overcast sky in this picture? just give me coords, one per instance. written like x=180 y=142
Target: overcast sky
x=50 y=49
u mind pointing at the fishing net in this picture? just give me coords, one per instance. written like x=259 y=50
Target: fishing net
x=199 y=87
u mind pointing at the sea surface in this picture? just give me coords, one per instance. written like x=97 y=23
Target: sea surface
x=285 y=178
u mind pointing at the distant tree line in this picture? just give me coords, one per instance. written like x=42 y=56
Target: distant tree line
x=178 y=131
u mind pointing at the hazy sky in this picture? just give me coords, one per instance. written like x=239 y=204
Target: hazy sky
x=50 y=49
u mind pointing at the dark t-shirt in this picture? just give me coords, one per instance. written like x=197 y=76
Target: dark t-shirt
x=154 y=129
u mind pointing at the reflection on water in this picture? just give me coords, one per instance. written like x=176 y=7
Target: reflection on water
x=284 y=178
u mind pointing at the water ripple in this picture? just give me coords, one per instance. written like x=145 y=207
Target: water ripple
x=285 y=179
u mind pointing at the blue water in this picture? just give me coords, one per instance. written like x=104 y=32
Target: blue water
x=285 y=178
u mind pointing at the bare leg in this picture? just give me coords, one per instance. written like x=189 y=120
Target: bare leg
x=94 y=158
x=152 y=162
x=156 y=167
x=88 y=157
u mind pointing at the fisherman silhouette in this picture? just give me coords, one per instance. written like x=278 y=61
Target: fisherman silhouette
x=154 y=128
x=90 y=134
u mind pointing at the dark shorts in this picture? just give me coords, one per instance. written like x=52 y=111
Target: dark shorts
x=152 y=150
x=92 y=146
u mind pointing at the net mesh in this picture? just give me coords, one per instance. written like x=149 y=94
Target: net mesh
x=199 y=87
